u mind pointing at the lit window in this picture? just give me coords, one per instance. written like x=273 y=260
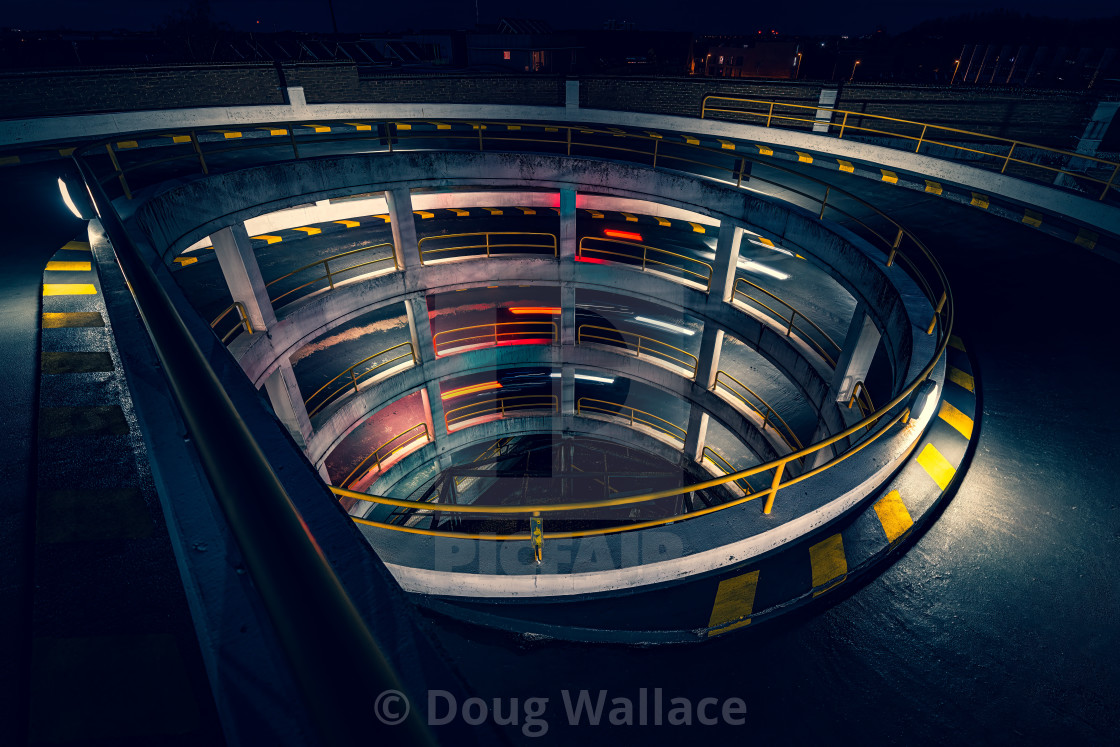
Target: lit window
x=505 y=55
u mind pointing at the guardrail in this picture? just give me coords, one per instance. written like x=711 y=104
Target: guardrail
x=328 y=274
x=715 y=458
x=631 y=414
x=502 y=406
x=587 y=250
x=378 y=458
x=921 y=135
x=821 y=341
x=243 y=322
x=638 y=344
x=540 y=333
x=769 y=415
x=489 y=247
x=348 y=379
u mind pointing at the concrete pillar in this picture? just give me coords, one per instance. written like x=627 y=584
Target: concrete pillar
x=707 y=364
x=860 y=345
x=567 y=246
x=434 y=415
x=403 y=223
x=697 y=432
x=283 y=392
x=727 y=260
x=571 y=94
x=239 y=266
x=326 y=477
x=567 y=390
x=567 y=315
x=1090 y=141
x=820 y=456
x=827 y=100
x=420 y=328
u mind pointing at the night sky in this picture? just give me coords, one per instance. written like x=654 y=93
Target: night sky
x=716 y=16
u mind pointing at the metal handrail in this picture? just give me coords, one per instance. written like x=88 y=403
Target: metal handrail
x=786 y=433
x=726 y=467
x=355 y=378
x=329 y=273
x=242 y=323
x=333 y=655
x=487 y=246
x=501 y=406
x=1007 y=159
x=791 y=322
x=651 y=343
x=673 y=429
x=379 y=458
x=495 y=337
x=706 y=278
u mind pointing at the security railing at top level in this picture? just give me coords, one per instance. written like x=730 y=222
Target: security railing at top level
x=485 y=244
x=725 y=466
x=815 y=336
x=841 y=121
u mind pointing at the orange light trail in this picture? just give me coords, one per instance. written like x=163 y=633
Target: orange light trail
x=470 y=390
x=555 y=310
x=622 y=234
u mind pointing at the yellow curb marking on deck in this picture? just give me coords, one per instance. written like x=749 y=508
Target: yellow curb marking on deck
x=309 y=230
x=57 y=363
x=57 y=422
x=527 y=211
x=889 y=176
x=460 y=212
x=552 y=129
x=513 y=127
x=936 y=466
x=406 y=126
x=846 y=166
x=766 y=241
x=360 y=127
x=830 y=566
x=1031 y=218
x=979 y=200
x=961 y=378
x=629 y=218
x=65 y=152
x=654 y=134
x=178 y=138
x=734 y=603
x=441 y=125
x=184 y=261
x=803 y=157
x=933 y=187
x=493 y=211
x=763 y=150
x=725 y=144
x=62 y=319
x=69 y=289
x=317 y=127
x=690 y=140
x=955 y=342
x=384 y=217
x=594 y=213
x=9 y=160
x=269 y=238
x=76 y=246
x=274 y=131
x=424 y=214
x=696 y=227
x=1086 y=238
x=348 y=223
x=955 y=418
x=893 y=515
x=663 y=221
x=126 y=144
x=228 y=134
x=56 y=265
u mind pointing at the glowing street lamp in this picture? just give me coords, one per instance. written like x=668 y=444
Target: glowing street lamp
x=956 y=66
x=854 y=66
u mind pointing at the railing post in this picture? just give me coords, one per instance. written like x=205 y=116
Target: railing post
x=569 y=131
x=843 y=124
x=1111 y=179
x=486 y=238
x=789 y=327
x=327 y=269
x=117 y=168
x=198 y=150
x=656 y=147
x=1007 y=158
x=480 y=126
x=770 y=114
x=937 y=313
x=921 y=138
x=824 y=202
x=353 y=380
x=292 y=140
x=894 y=248
x=774 y=485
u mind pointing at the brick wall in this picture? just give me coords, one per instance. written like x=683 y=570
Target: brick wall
x=33 y=94
x=528 y=90
x=683 y=96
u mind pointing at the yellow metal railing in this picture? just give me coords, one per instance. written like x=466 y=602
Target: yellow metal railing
x=242 y=321
x=631 y=414
x=329 y=274
x=348 y=380
x=821 y=341
x=403 y=440
x=491 y=242
x=769 y=415
x=501 y=407
x=638 y=344
x=725 y=466
x=690 y=269
x=922 y=133
x=496 y=333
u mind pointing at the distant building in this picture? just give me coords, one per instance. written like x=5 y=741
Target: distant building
x=775 y=60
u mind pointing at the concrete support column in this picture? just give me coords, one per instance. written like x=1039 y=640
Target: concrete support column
x=406 y=247
x=433 y=412
x=855 y=359
x=420 y=328
x=727 y=259
x=239 y=266
x=821 y=455
x=323 y=474
x=571 y=94
x=823 y=116
x=567 y=390
x=707 y=364
x=283 y=392
x=567 y=315
x=697 y=432
x=567 y=246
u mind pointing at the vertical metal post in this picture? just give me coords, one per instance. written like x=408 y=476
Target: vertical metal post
x=487 y=238
x=1112 y=178
x=569 y=131
x=770 y=114
x=894 y=248
x=480 y=126
x=824 y=202
x=536 y=529
x=353 y=380
x=198 y=150
x=292 y=138
x=117 y=168
x=327 y=268
x=742 y=166
x=921 y=138
x=1007 y=158
x=774 y=488
x=843 y=124
x=656 y=146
